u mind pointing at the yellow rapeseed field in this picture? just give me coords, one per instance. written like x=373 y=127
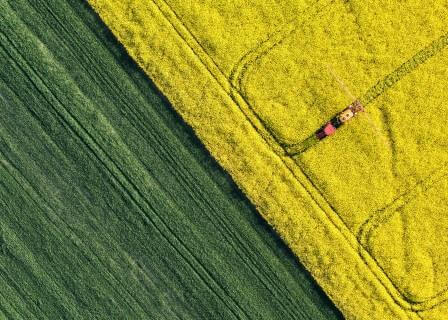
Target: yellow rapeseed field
x=360 y=196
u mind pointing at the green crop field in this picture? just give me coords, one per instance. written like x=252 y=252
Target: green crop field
x=110 y=208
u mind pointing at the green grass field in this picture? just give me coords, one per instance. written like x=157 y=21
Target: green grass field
x=110 y=208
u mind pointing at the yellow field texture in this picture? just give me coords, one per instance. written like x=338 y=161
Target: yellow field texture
x=365 y=209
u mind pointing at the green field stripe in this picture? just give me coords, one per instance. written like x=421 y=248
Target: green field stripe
x=113 y=210
x=11 y=306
